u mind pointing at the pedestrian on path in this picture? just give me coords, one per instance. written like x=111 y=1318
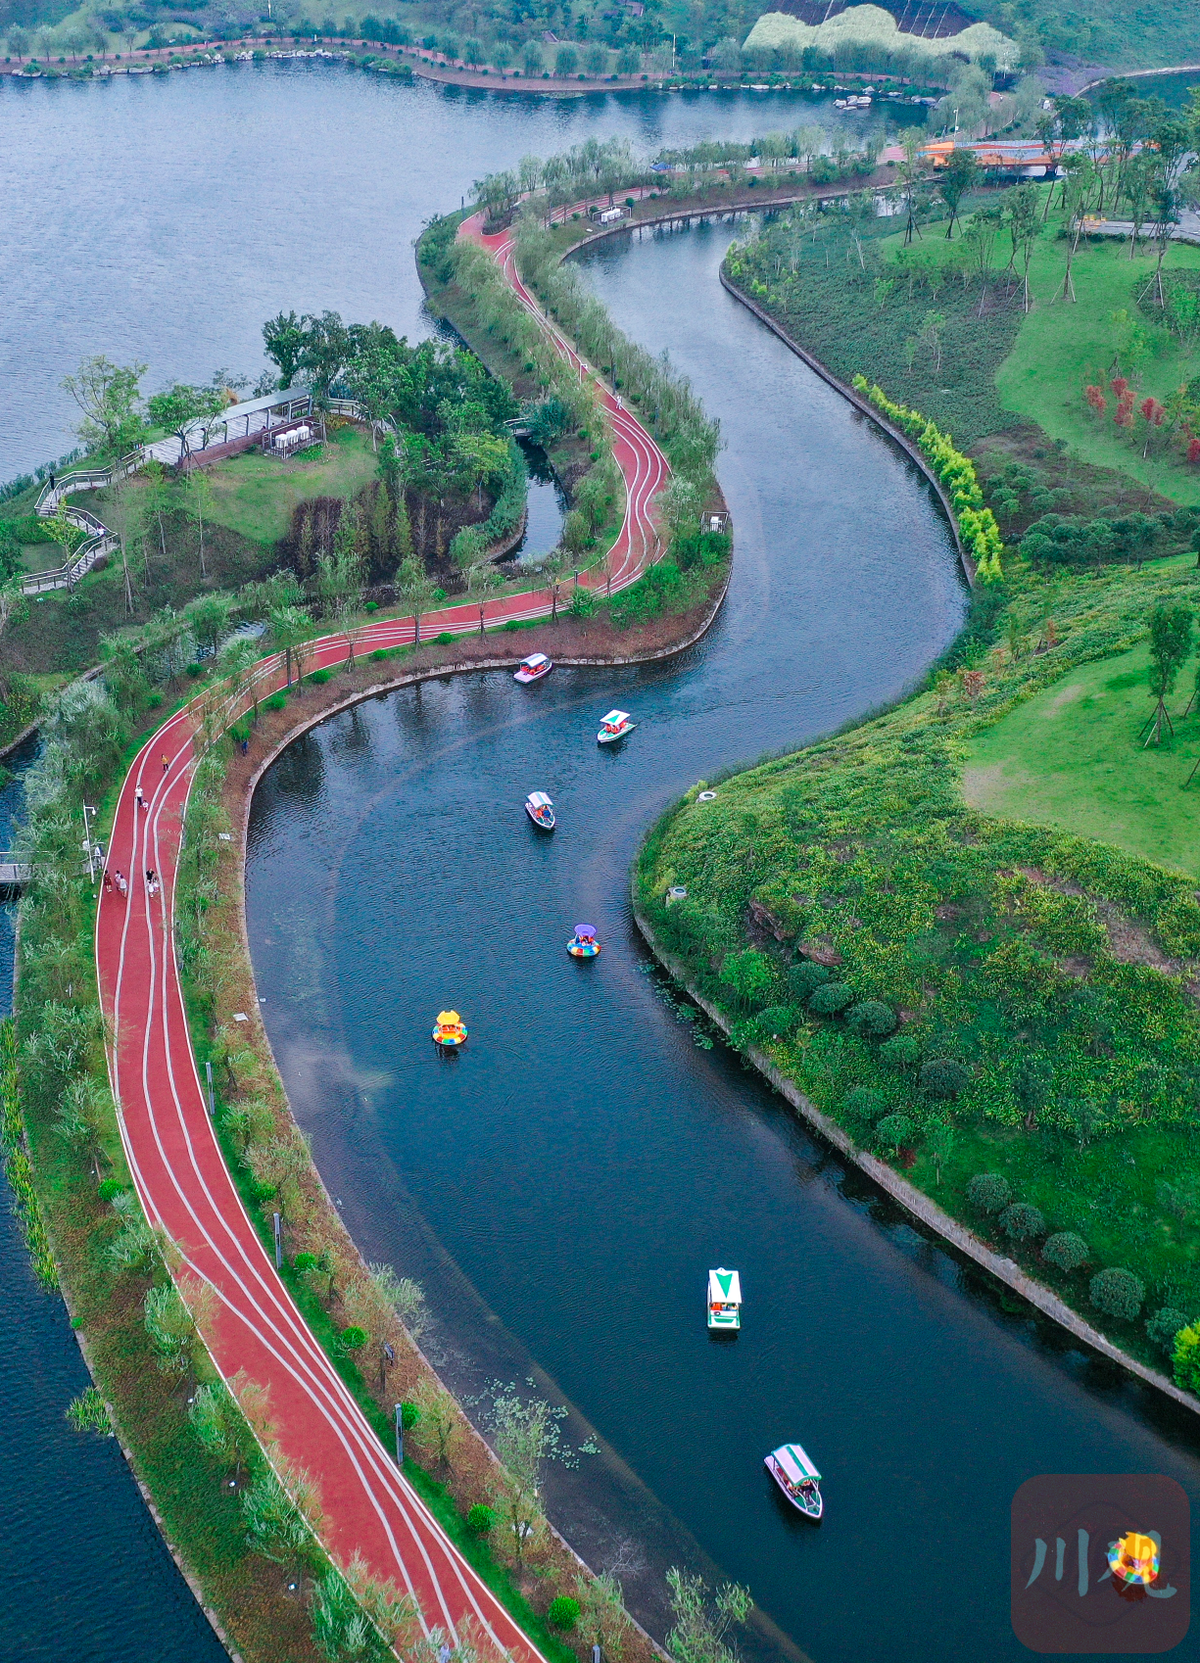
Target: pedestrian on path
x=138 y=798
x=108 y=883
x=151 y=881
x=166 y=762
x=122 y=882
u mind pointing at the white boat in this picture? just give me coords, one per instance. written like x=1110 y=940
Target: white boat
x=724 y=1299
x=540 y=810
x=796 y=1476
x=614 y=726
x=533 y=668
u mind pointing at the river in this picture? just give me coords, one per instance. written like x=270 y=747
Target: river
x=562 y=1191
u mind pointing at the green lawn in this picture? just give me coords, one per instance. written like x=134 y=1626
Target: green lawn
x=254 y=495
x=1071 y=758
x=1060 y=346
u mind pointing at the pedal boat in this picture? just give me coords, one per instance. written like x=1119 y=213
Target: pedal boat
x=724 y=1300
x=799 y=1480
x=533 y=668
x=614 y=726
x=450 y=1031
x=583 y=944
x=540 y=810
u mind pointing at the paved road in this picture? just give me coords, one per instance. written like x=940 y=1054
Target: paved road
x=255 y=1330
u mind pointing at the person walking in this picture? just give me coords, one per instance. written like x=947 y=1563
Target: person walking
x=122 y=882
x=108 y=883
x=166 y=761
x=138 y=798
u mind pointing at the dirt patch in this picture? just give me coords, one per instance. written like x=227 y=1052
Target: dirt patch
x=1067 y=696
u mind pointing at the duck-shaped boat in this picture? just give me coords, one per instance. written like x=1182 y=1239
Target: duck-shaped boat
x=614 y=726
x=533 y=668
x=540 y=810
x=449 y=1031
x=583 y=944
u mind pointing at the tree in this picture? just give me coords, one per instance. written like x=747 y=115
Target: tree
x=603 y=1620
x=109 y=395
x=1023 y=223
x=911 y=180
x=414 y=591
x=199 y=498
x=1186 y=1359
x=566 y=60
x=1170 y=644
x=956 y=180
x=523 y=1436
x=221 y=1427
x=1031 y=1086
x=595 y=60
x=440 y=1422
x=171 y=1328
x=629 y=60
x=325 y=353
x=284 y=339
x=289 y=626
x=532 y=61
x=180 y=408
x=83 y=1114
x=155 y=505
x=703 y=1620
x=1078 y=183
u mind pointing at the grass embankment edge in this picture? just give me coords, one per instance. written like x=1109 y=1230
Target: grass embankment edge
x=924 y=1211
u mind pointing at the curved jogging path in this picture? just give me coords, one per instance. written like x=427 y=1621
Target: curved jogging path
x=253 y=1328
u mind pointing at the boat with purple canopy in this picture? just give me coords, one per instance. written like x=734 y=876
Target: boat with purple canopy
x=583 y=944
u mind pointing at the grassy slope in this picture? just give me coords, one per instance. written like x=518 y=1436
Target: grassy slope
x=1072 y=758
x=254 y=495
x=1123 y=33
x=863 y=843
x=1060 y=346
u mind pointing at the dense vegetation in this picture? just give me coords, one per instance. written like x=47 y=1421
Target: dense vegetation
x=968 y=995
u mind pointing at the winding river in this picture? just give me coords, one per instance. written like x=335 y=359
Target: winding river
x=563 y=1187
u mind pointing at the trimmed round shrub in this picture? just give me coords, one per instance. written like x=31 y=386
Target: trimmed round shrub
x=778 y=1021
x=563 y=1612
x=830 y=1000
x=1066 y=1251
x=871 y=1019
x=110 y=1189
x=900 y=1053
x=305 y=1261
x=863 y=1104
x=354 y=1338
x=410 y=1414
x=1163 y=1326
x=480 y=1519
x=806 y=977
x=943 y=1078
x=893 y=1131
x=1021 y=1221
x=1117 y=1292
x=988 y=1192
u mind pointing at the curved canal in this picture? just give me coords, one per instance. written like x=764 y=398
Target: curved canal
x=563 y=1188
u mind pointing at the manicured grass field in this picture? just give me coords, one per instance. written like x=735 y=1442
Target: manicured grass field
x=255 y=494
x=1061 y=346
x=1071 y=758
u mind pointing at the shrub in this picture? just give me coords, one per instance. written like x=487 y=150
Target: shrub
x=871 y=1019
x=989 y=1192
x=750 y=974
x=892 y=1131
x=277 y=701
x=354 y=1338
x=830 y=999
x=1118 y=1293
x=563 y=1612
x=110 y=1189
x=1021 y=1221
x=777 y=1021
x=379 y=655
x=1163 y=1326
x=445 y=639
x=863 y=1104
x=195 y=670
x=900 y=1053
x=1066 y=1251
x=1186 y=1357
x=805 y=977
x=943 y=1078
x=480 y=1519
x=409 y=1416
x=305 y=1262
x=320 y=677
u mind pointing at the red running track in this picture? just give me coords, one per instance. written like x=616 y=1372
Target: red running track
x=251 y=1325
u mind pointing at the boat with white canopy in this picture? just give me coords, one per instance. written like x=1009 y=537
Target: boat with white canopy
x=798 y=1478
x=724 y=1300
x=533 y=668
x=614 y=726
